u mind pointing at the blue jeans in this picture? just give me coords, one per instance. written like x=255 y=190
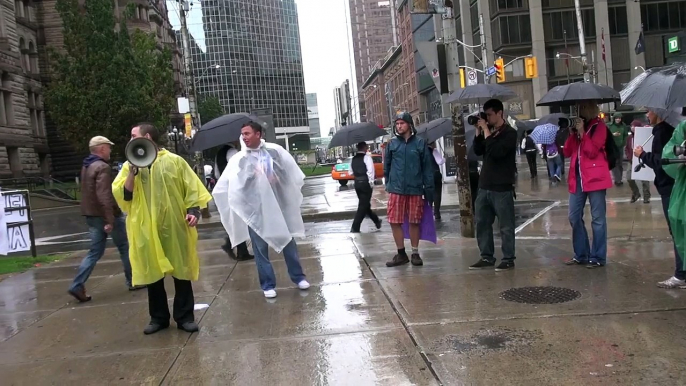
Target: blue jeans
x=582 y=250
x=555 y=166
x=264 y=267
x=98 y=237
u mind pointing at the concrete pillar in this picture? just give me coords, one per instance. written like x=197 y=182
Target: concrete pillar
x=633 y=15
x=602 y=23
x=467 y=36
x=540 y=84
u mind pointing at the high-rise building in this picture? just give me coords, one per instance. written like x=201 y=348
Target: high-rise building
x=371 y=24
x=313 y=115
x=548 y=30
x=251 y=60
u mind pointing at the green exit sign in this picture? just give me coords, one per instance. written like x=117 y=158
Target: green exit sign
x=673 y=44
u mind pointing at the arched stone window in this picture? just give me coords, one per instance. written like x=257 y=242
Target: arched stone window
x=33 y=58
x=24 y=54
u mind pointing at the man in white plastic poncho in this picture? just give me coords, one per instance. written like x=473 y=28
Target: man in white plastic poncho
x=163 y=205
x=258 y=197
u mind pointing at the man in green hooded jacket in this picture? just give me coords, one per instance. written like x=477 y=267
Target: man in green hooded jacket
x=677 y=202
x=620 y=131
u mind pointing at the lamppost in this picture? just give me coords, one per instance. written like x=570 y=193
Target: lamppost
x=175 y=136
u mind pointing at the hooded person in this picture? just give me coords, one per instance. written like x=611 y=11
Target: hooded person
x=409 y=175
x=664 y=182
x=620 y=132
x=677 y=203
x=220 y=162
x=163 y=203
x=259 y=198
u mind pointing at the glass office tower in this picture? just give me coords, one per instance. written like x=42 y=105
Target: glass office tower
x=247 y=54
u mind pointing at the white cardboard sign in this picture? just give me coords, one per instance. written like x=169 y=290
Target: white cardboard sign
x=641 y=135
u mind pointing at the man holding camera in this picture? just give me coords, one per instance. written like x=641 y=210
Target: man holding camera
x=662 y=133
x=163 y=203
x=496 y=141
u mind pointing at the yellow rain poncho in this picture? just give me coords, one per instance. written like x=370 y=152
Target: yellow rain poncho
x=677 y=202
x=160 y=240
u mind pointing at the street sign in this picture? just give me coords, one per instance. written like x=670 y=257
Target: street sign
x=490 y=71
x=471 y=78
x=673 y=44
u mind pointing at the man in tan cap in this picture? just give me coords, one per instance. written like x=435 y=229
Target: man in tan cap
x=103 y=216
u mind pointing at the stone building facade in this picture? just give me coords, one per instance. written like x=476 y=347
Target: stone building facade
x=23 y=142
x=149 y=16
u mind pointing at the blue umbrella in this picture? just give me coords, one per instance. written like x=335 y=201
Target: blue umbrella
x=544 y=134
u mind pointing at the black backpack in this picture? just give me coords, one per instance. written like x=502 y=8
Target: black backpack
x=611 y=149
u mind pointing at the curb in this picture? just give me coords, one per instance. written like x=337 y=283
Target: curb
x=348 y=215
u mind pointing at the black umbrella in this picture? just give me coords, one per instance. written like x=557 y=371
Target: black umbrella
x=553 y=119
x=356 y=133
x=222 y=130
x=659 y=87
x=480 y=93
x=573 y=93
x=431 y=131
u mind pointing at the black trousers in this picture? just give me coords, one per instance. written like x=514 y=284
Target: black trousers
x=183 y=302
x=241 y=248
x=364 y=205
x=531 y=160
x=438 y=192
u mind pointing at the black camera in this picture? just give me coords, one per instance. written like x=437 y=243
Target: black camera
x=566 y=123
x=474 y=119
x=680 y=150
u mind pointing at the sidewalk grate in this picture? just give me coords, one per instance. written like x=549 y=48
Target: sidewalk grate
x=540 y=295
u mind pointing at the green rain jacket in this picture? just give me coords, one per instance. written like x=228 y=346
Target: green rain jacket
x=622 y=129
x=677 y=201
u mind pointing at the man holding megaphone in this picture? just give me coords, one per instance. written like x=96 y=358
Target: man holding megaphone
x=162 y=197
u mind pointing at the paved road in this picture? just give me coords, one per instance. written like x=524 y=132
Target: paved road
x=362 y=323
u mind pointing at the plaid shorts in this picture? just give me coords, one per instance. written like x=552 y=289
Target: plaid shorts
x=402 y=206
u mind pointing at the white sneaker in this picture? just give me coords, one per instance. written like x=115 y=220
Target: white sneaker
x=270 y=294
x=672 y=282
x=303 y=285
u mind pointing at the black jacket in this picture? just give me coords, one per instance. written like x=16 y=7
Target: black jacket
x=499 y=153
x=662 y=133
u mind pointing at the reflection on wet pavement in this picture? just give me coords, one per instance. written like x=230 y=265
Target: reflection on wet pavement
x=364 y=323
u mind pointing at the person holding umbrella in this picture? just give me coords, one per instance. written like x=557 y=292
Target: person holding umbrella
x=589 y=179
x=662 y=133
x=363 y=170
x=409 y=175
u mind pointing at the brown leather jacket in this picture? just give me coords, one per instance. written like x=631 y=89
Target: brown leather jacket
x=96 y=192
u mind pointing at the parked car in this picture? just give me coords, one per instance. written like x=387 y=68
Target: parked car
x=343 y=171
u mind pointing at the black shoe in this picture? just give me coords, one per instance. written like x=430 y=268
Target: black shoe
x=229 y=251
x=575 y=262
x=505 y=266
x=416 y=260
x=592 y=265
x=481 y=264
x=634 y=198
x=354 y=231
x=378 y=224
x=188 y=327
x=620 y=183
x=136 y=287
x=437 y=216
x=244 y=256
x=153 y=328
x=399 y=259
x=646 y=200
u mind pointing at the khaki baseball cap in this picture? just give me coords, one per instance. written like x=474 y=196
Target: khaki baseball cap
x=99 y=140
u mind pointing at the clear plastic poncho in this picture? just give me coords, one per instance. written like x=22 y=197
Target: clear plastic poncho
x=160 y=240
x=260 y=189
x=677 y=201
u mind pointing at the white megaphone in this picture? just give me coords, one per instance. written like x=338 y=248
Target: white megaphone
x=141 y=152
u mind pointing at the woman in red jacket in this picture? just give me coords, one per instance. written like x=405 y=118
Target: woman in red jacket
x=589 y=178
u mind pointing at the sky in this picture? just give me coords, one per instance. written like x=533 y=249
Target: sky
x=325 y=45
x=326 y=58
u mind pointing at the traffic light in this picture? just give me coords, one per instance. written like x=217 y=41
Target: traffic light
x=531 y=67
x=499 y=70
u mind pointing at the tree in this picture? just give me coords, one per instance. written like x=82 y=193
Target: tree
x=209 y=108
x=104 y=79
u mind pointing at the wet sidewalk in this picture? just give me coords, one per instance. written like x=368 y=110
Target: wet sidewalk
x=362 y=323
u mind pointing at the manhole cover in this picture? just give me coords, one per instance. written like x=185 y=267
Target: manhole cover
x=540 y=295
